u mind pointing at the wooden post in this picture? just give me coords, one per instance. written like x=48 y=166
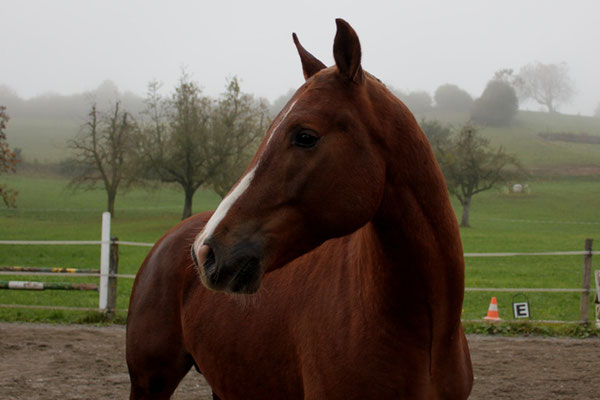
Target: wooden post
x=113 y=268
x=584 y=305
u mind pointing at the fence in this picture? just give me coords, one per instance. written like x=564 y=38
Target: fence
x=108 y=273
x=585 y=289
x=109 y=259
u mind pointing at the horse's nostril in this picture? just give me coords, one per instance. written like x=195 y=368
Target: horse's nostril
x=204 y=257
x=209 y=261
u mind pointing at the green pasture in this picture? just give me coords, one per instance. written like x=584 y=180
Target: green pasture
x=556 y=215
x=47 y=210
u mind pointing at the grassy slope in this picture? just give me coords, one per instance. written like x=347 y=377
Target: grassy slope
x=522 y=139
x=543 y=156
x=44 y=140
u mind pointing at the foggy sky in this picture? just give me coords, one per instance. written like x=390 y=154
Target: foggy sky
x=70 y=46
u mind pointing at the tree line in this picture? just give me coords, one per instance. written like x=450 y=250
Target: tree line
x=547 y=84
x=185 y=138
x=195 y=141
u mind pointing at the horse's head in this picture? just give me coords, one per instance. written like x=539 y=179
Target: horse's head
x=318 y=174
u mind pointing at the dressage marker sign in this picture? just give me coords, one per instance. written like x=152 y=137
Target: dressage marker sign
x=521 y=310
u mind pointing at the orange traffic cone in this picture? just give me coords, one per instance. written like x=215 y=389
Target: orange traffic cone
x=492 y=314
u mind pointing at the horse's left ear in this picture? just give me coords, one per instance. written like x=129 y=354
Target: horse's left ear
x=310 y=64
x=346 y=51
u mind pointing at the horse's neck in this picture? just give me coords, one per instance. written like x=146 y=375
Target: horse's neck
x=414 y=249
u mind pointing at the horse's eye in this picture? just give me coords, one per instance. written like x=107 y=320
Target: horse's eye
x=305 y=138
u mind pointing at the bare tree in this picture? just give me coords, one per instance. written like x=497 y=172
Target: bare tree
x=194 y=141
x=470 y=166
x=8 y=162
x=238 y=123
x=547 y=84
x=104 y=152
x=176 y=138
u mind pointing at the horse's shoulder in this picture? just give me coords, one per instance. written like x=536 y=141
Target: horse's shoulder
x=174 y=246
x=191 y=225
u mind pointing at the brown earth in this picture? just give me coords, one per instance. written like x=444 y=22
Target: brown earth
x=40 y=361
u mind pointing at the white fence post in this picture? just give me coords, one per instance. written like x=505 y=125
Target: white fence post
x=104 y=261
x=597 y=297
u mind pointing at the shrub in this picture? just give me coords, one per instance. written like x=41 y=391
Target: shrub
x=450 y=97
x=497 y=105
x=418 y=102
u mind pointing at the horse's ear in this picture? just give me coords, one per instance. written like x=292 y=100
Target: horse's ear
x=346 y=51
x=310 y=64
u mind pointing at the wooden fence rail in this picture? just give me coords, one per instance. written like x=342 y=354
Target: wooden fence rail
x=57 y=270
x=109 y=262
x=26 y=285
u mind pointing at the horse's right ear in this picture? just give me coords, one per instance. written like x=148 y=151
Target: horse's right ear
x=310 y=64
x=346 y=52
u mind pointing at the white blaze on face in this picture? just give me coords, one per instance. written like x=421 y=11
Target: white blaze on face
x=280 y=121
x=234 y=195
x=223 y=209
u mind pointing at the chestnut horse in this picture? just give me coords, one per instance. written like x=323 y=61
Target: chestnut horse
x=332 y=270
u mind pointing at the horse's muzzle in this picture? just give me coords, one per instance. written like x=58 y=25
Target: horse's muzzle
x=237 y=271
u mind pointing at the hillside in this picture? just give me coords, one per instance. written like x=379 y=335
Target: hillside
x=42 y=125
x=551 y=157
x=42 y=140
x=538 y=140
x=45 y=139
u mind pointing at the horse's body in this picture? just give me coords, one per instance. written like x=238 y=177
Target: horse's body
x=354 y=246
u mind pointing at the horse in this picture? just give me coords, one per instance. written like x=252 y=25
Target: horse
x=332 y=270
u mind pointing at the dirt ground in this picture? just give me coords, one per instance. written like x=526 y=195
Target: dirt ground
x=40 y=361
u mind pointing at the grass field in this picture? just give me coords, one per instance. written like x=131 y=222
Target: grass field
x=556 y=215
x=48 y=211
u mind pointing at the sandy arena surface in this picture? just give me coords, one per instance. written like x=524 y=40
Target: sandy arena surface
x=39 y=361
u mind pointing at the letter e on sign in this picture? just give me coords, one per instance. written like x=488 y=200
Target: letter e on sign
x=521 y=310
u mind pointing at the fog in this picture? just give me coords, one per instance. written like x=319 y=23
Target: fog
x=72 y=46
